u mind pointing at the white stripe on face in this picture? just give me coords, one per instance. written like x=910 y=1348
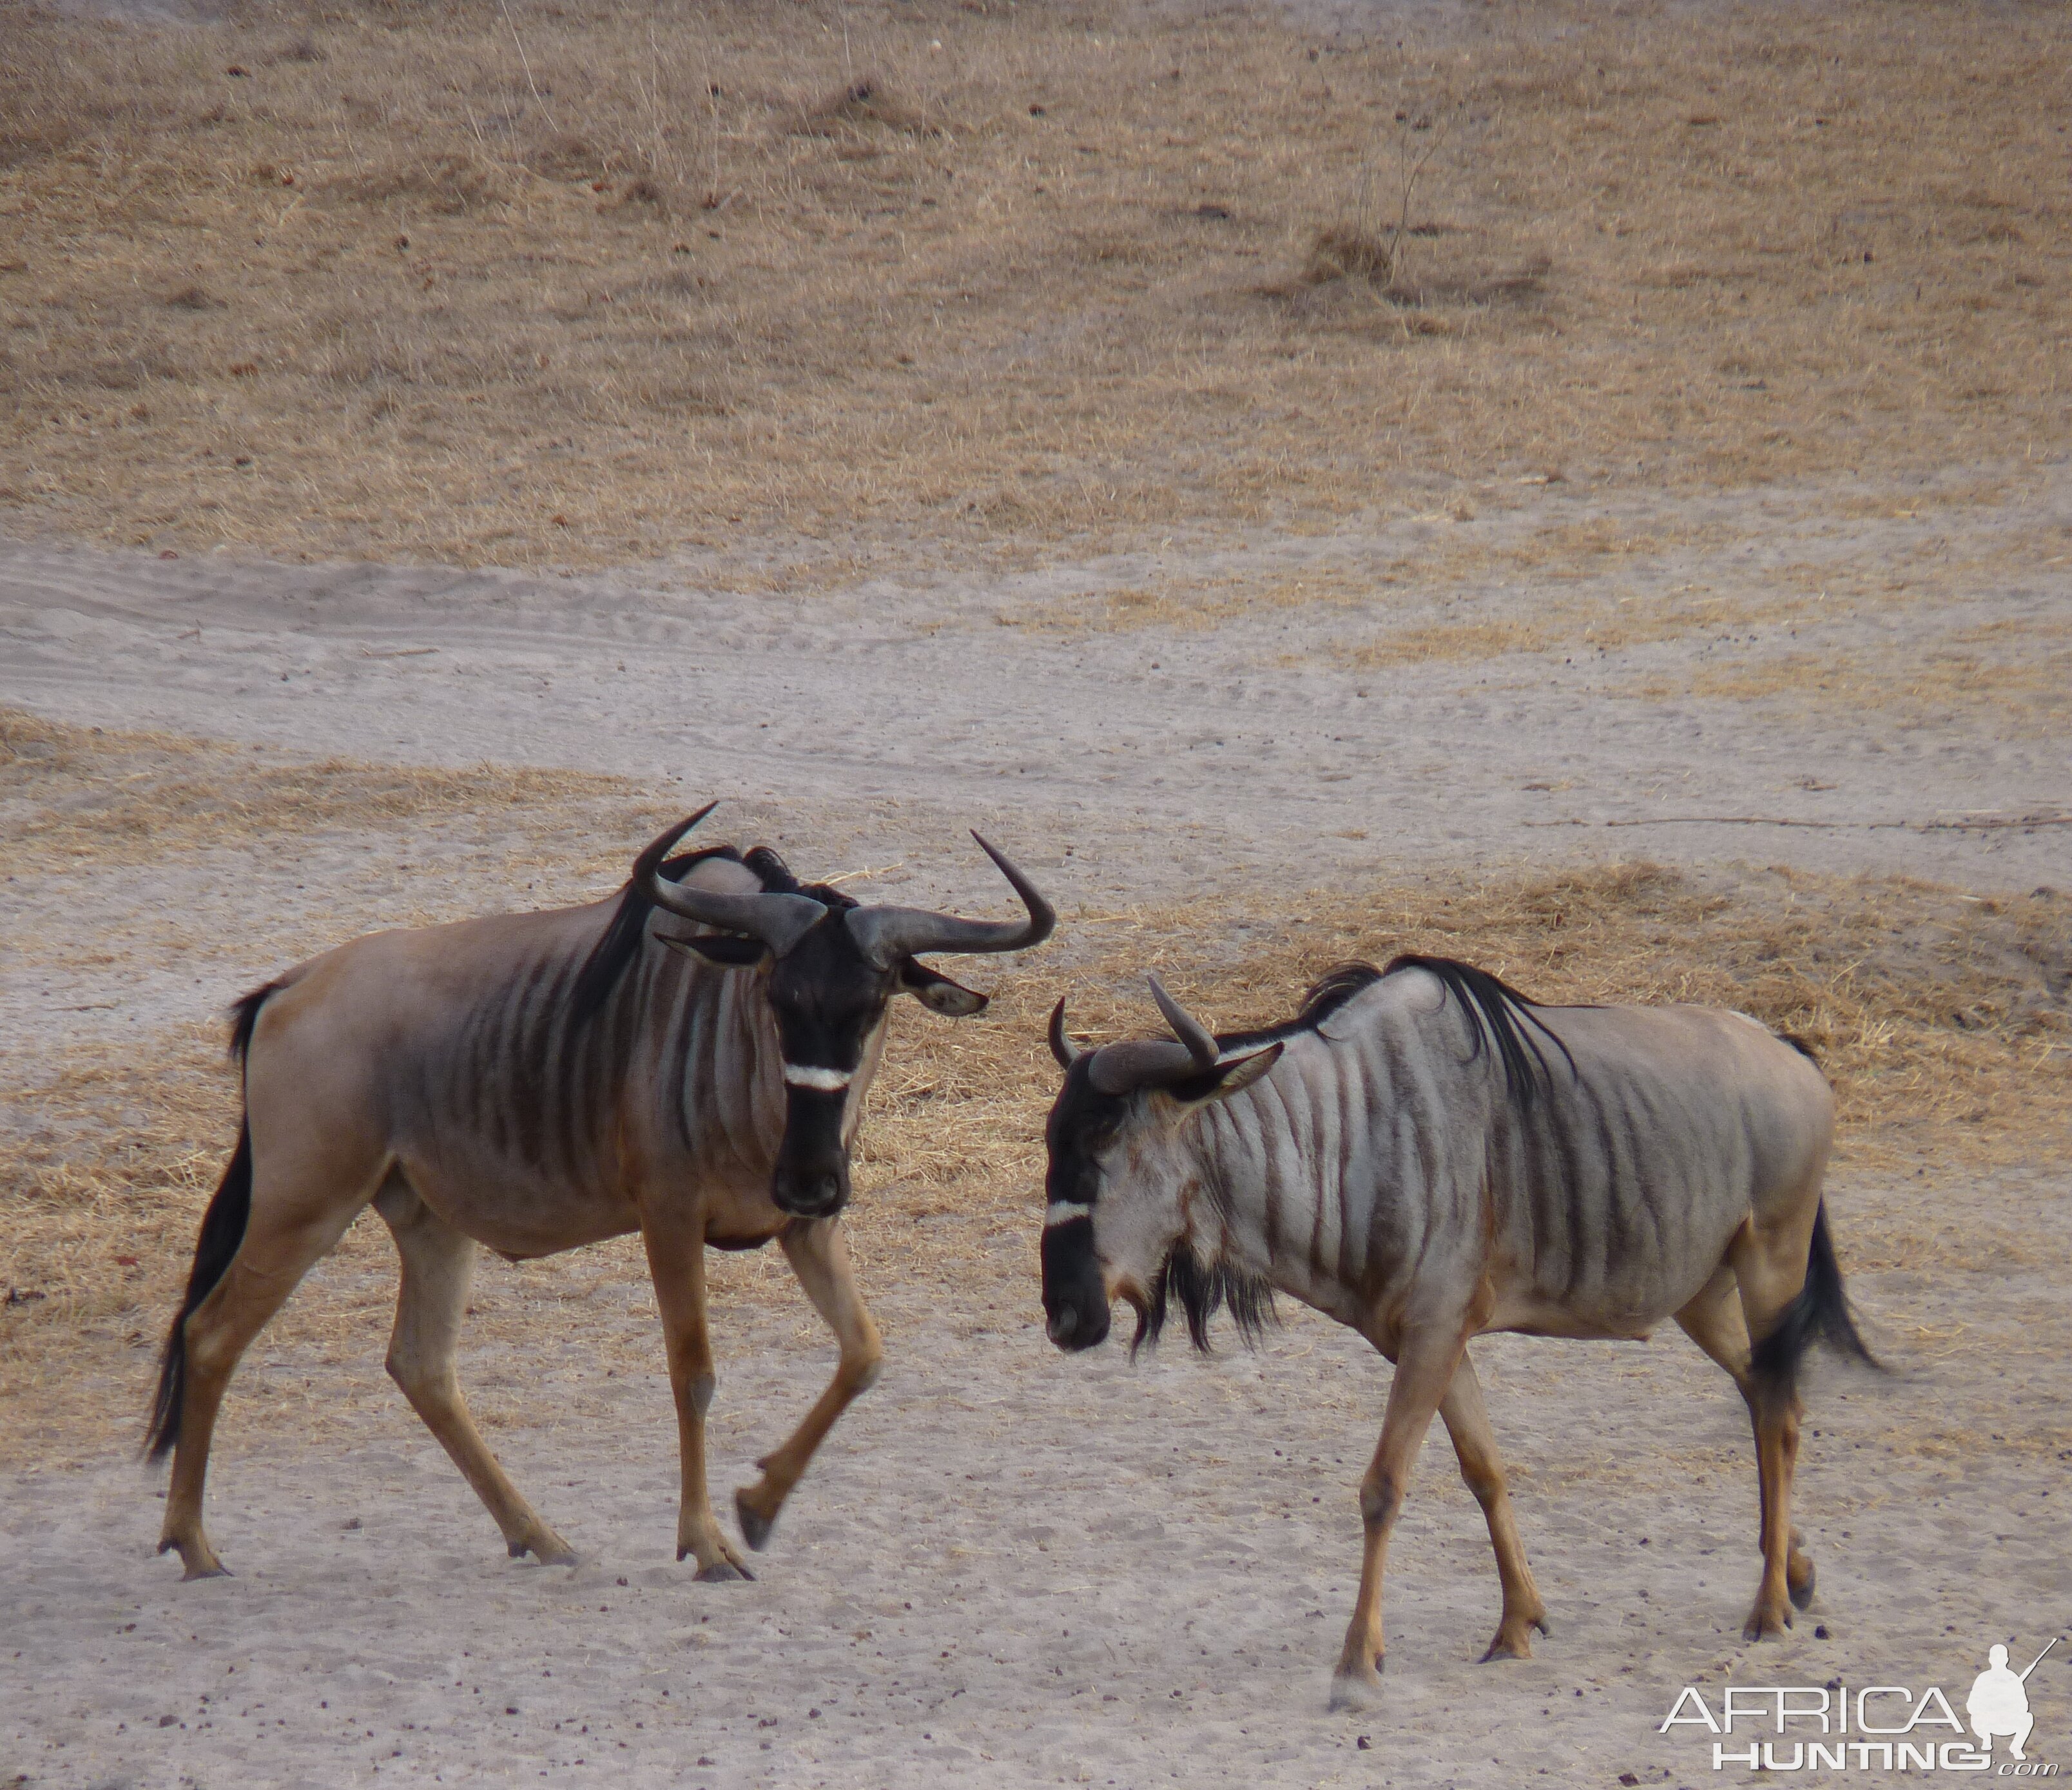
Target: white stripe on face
x=1063 y=1212
x=826 y=1081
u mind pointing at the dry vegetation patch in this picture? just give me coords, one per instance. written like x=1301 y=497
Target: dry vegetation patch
x=1945 y=1020
x=2022 y=691
x=119 y=798
x=559 y=282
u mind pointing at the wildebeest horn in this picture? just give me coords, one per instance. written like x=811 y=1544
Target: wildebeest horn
x=1062 y=1047
x=1190 y=1030
x=778 y=920
x=1154 y=1063
x=887 y=934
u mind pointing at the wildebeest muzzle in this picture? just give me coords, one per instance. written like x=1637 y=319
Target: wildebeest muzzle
x=1074 y=1300
x=811 y=1178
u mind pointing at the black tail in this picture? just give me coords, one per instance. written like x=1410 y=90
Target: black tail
x=222 y=1231
x=1819 y=1313
x=245 y=1016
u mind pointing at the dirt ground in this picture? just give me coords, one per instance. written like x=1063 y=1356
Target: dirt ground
x=1762 y=702
x=1050 y=1570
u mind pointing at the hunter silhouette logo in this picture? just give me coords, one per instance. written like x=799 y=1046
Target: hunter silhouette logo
x=1839 y=1727
x=1998 y=1702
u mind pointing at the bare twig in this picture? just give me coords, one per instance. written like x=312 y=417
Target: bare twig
x=1411 y=171
x=524 y=62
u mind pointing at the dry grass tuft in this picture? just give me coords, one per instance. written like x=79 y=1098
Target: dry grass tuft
x=1343 y=252
x=867 y=101
x=447 y=185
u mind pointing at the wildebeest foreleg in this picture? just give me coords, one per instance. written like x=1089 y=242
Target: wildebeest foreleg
x=820 y=1260
x=1467 y=1422
x=677 y=1263
x=1425 y=1365
x=439 y=1263
x=1713 y=1321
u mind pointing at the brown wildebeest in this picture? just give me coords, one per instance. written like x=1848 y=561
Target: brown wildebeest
x=535 y=1082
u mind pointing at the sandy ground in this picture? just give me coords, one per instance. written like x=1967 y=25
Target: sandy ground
x=1009 y=1567
x=1240 y=726
x=1013 y=1568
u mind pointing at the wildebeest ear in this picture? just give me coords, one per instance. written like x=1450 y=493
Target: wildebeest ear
x=721 y=948
x=937 y=992
x=1228 y=1078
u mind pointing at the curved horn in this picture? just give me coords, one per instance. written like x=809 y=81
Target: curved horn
x=1152 y=1063
x=778 y=920
x=1062 y=1047
x=1201 y=1046
x=887 y=934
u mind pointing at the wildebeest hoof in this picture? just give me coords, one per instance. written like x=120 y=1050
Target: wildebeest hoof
x=197 y=1560
x=1514 y=1637
x=549 y=1550
x=1763 y=1624
x=1349 y=1690
x=721 y=1571
x=1801 y=1592
x=755 y=1527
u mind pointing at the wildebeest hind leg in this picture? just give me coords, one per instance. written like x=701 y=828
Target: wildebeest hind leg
x=1770 y=1269
x=439 y=1263
x=1713 y=1321
x=1467 y=1422
x=820 y=1260
x=276 y=1251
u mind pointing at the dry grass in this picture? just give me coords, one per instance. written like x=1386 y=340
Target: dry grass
x=1944 y=1022
x=571 y=284
x=1656 y=582
x=118 y=799
x=2021 y=693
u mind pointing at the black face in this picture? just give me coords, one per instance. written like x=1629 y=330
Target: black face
x=829 y=1000
x=1083 y=1122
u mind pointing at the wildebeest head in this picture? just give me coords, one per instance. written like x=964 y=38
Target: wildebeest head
x=833 y=968
x=1115 y=1226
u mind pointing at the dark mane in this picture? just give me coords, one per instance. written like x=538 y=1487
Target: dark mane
x=614 y=953
x=1201 y=1290
x=1494 y=1010
x=778 y=879
x=1329 y=992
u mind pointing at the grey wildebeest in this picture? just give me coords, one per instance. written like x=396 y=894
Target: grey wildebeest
x=1426 y=1155
x=538 y=1081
